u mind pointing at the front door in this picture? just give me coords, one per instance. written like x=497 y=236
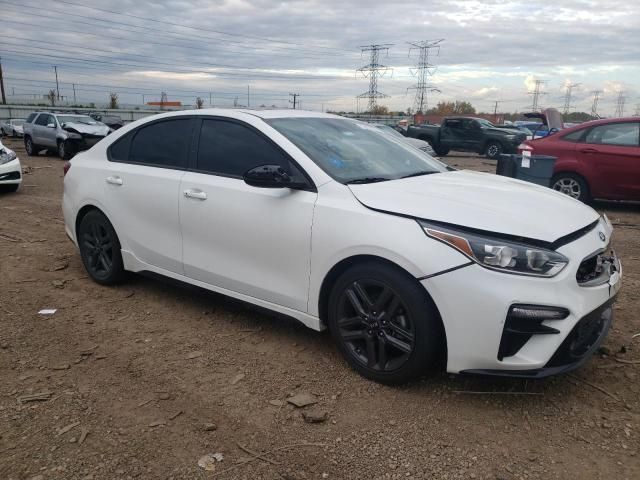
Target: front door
x=253 y=241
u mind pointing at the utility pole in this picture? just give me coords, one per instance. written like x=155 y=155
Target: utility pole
x=210 y=100
x=248 y=102
x=74 y=92
x=620 y=105
x=567 y=96
x=295 y=98
x=55 y=69
x=374 y=70
x=423 y=70
x=537 y=92
x=4 y=98
x=594 y=105
x=495 y=111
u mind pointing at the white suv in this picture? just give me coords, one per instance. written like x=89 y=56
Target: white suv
x=321 y=218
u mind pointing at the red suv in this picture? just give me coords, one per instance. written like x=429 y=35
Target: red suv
x=599 y=159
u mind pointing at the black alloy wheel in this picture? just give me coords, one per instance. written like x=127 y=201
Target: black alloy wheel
x=100 y=249
x=385 y=323
x=375 y=326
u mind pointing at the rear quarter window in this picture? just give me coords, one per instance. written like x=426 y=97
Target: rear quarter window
x=30 y=117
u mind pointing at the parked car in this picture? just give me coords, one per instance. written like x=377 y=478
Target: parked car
x=546 y=122
x=470 y=135
x=598 y=159
x=66 y=133
x=12 y=127
x=322 y=219
x=112 y=121
x=420 y=144
x=521 y=128
x=10 y=170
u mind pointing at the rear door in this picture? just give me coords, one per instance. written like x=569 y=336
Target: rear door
x=253 y=241
x=451 y=134
x=613 y=154
x=142 y=190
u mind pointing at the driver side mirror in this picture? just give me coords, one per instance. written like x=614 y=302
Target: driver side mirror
x=271 y=176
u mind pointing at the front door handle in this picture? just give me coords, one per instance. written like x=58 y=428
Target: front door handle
x=588 y=150
x=114 y=180
x=193 y=193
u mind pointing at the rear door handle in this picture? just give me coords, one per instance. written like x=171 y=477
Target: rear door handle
x=193 y=193
x=114 y=180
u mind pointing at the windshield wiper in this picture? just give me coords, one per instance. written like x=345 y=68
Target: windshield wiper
x=418 y=174
x=367 y=180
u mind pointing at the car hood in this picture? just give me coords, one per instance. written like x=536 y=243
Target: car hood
x=481 y=201
x=95 y=129
x=416 y=142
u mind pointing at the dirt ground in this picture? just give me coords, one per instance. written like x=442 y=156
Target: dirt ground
x=142 y=380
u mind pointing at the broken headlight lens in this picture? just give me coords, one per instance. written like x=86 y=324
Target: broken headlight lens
x=6 y=156
x=500 y=254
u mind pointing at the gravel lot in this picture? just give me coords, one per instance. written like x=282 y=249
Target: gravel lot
x=143 y=380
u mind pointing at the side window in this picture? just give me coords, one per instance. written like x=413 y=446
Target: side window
x=43 y=119
x=622 y=134
x=455 y=124
x=30 y=118
x=574 y=136
x=119 y=151
x=229 y=148
x=164 y=144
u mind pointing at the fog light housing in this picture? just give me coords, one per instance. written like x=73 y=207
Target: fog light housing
x=524 y=321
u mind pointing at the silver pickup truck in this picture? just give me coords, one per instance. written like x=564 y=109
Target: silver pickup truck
x=65 y=133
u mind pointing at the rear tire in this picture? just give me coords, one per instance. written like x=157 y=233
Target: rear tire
x=100 y=249
x=30 y=147
x=572 y=185
x=494 y=150
x=384 y=323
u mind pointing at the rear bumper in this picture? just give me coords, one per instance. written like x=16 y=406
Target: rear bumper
x=581 y=343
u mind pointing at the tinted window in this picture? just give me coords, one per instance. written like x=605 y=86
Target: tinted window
x=229 y=148
x=164 y=143
x=44 y=119
x=119 y=151
x=623 y=134
x=574 y=136
x=31 y=117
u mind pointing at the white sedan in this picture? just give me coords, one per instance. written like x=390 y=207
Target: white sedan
x=12 y=127
x=10 y=170
x=321 y=218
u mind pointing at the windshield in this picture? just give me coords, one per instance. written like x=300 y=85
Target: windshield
x=485 y=123
x=354 y=152
x=76 y=118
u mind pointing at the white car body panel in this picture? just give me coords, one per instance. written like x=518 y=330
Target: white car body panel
x=10 y=167
x=274 y=248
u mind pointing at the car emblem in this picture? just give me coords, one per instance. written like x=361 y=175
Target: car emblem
x=602 y=236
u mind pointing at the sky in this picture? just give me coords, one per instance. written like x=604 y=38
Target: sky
x=491 y=51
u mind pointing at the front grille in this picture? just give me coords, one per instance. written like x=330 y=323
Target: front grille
x=597 y=269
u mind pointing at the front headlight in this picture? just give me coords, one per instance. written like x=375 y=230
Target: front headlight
x=6 y=157
x=499 y=254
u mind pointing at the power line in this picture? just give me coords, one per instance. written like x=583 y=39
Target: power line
x=423 y=71
x=537 y=92
x=374 y=70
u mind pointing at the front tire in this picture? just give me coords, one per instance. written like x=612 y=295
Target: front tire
x=571 y=184
x=30 y=147
x=100 y=249
x=384 y=323
x=494 y=150
x=64 y=150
